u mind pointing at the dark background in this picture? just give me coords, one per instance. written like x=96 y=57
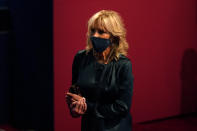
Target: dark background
x=26 y=70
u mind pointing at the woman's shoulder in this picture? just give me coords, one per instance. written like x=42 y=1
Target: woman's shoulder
x=124 y=60
x=82 y=55
x=84 y=52
x=124 y=65
x=81 y=52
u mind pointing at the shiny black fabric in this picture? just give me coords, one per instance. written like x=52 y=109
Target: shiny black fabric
x=108 y=91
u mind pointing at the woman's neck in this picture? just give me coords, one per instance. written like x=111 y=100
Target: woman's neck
x=103 y=57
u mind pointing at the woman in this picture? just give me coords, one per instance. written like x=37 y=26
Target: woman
x=102 y=80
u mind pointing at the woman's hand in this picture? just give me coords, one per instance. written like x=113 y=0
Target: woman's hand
x=73 y=97
x=79 y=107
x=70 y=98
x=76 y=103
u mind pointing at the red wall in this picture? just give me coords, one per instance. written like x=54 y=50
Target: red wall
x=158 y=32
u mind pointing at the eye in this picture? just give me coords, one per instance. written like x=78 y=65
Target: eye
x=92 y=31
x=101 y=32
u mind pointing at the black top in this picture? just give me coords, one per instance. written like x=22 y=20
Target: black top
x=107 y=89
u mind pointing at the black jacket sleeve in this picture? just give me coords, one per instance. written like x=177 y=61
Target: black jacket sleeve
x=121 y=106
x=75 y=68
x=73 y=88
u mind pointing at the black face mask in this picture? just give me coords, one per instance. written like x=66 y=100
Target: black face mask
x=100 y=44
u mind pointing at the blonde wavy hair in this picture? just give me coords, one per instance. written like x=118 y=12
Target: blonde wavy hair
x=111 y=22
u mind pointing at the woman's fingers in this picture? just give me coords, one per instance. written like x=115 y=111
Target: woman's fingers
x=85 y=106
x=74 y=96
x=79 y=107
x=72 y=100
x=69 y=100
x=73 y=105
x=83 y=100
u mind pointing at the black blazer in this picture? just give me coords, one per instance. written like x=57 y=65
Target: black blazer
x=107 y=89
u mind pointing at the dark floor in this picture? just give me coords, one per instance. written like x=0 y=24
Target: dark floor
x=178 y=123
